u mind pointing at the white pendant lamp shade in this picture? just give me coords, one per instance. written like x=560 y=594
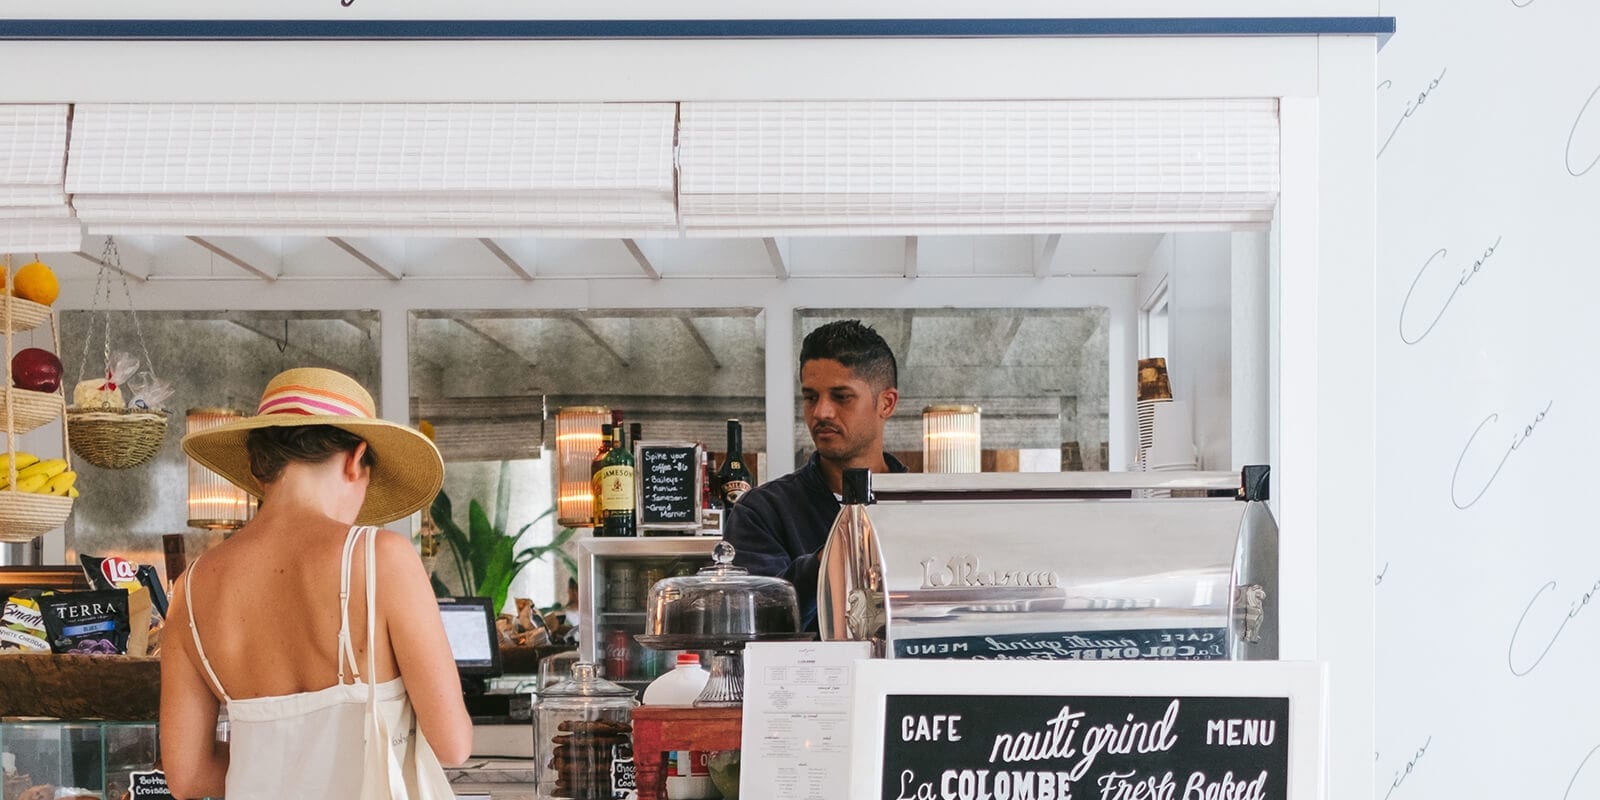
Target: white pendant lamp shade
x=577 y=439
x=214 y=503
x=952 y=438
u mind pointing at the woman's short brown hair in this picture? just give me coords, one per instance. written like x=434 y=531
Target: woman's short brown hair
x=272 y=449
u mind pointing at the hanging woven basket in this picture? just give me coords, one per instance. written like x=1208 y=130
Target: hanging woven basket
x=31 y=409
x=27 y=315
x=25 y=516
x=117 y=438
x=111 y=437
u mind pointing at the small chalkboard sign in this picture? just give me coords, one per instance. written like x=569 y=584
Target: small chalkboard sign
x=1226 y=730
x=148 y=785
x=669 y=485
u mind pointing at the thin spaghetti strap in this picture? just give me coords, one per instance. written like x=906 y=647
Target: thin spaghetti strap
x=347 y=653
x=372 y=606
x=200 y=650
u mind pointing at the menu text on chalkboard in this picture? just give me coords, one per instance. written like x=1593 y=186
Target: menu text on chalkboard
x=669 y=485
x=1012 y=747
x=148 y=785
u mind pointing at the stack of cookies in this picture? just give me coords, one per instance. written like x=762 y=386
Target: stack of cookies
x=584 y=754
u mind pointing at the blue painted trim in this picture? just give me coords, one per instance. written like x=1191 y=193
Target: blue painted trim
x=357 y=30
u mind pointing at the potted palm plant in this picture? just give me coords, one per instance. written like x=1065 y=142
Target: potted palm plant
x=486 y=558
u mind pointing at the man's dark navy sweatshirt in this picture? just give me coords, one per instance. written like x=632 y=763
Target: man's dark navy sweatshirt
x=779 y=529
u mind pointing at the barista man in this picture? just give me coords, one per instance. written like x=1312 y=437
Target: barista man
x=848 y=389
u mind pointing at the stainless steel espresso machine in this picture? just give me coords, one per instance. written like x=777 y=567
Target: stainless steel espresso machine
x=994 y=573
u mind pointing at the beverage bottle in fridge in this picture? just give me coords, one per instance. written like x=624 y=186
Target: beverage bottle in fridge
x=688 y=777
x=618 y=661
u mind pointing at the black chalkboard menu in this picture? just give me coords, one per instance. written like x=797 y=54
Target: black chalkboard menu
x=1059 y=747
x=668 y=485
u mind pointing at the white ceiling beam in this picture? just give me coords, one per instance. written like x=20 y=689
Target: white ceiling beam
x=911 y=257
x=699 y=339
x=364 y=258
x=587 y=327
x=778 y=252
x=493 y=341
x=644 y=261
x=234 y=258
x=1045 y=256
x=95 y=260
x=506 y=259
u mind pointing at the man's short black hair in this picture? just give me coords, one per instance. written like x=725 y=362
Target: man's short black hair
x=856 y=346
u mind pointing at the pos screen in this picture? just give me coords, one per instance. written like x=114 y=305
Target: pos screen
x=469 y=625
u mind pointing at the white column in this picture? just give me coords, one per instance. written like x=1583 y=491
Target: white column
x=1251 y=331
x=782 y=373
x=394 y=370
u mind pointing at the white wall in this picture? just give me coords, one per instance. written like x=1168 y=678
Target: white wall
x=1202 y=341
x=1487 y=555
x=1206 y=274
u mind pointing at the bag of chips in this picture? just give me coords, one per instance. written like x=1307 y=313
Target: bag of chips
x=113 y=572
x=86 y=623
x=21 y=624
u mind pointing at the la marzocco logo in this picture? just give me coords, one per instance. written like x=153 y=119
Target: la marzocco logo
x=964 y=571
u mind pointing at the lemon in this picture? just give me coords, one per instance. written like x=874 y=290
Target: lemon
x=36 y=282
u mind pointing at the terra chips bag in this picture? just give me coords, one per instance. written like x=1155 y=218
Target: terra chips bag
x=86 y=623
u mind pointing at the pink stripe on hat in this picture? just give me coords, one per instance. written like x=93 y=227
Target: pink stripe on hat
x=274 y=407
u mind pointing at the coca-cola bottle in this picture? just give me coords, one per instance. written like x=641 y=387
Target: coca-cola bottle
x=618 y=651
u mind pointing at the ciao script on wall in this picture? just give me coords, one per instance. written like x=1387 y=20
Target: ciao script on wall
x=1014 y=747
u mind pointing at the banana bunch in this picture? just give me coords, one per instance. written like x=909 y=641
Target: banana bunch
x=50 y=476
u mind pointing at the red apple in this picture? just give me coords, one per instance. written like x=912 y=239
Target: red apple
x=36 y=370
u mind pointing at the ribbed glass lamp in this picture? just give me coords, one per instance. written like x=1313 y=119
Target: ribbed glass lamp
x=952 y=439
x=214 y=503
x=577 y=439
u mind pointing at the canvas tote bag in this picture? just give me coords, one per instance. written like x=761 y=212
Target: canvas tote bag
x=384 y=776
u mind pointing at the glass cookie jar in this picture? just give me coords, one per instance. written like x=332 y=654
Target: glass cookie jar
x=584 y=729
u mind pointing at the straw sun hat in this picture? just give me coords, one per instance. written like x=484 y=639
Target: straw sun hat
x=408 y=472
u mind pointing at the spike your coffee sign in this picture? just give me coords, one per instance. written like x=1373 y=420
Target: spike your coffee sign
x=1057 y=747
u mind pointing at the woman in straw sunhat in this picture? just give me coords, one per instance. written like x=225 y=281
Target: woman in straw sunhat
x=319 y=634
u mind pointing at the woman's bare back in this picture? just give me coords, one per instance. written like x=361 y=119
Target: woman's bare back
x=266 y=603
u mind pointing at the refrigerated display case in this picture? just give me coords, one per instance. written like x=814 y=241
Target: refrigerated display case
x=51 y=759
x=614 y=578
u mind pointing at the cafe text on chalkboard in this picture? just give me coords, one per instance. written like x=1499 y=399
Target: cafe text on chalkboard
x=669 y=485
x=1061 y=747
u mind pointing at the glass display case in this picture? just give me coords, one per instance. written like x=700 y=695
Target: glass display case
x=49 y=760
x=614 y=579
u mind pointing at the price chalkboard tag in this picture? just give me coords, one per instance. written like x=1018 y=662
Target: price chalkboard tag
x=148 y=785
x=669 y=485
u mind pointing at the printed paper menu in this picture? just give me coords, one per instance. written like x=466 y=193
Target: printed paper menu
x=796 y=742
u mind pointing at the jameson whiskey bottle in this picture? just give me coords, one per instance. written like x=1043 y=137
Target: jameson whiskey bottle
x=595 y=464
x=733 y=478
x=613 y=489
x=850 y=590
